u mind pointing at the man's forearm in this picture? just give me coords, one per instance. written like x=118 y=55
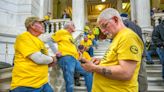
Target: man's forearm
x=40 y=58
x=112 y=72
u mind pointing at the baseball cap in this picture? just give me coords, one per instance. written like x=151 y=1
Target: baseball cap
x=31 y=20
x=124 y=16
x=80 y=47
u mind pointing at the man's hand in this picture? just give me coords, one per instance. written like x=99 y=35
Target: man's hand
x=96 y=61
x=54 y=62
x=58 y=54
x=87 y=65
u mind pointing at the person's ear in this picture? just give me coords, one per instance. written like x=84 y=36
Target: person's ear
x=115 y=19
x=32 y=26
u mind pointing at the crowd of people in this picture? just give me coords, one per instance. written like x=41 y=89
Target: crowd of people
x=120 y=70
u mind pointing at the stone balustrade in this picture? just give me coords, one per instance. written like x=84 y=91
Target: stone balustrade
x=147 y=33
x=56 y=24
x=156 y=16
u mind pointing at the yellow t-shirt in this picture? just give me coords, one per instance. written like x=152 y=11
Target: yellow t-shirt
x=86 y=55
x=86 y=44
x=26 y=72
x=125 y=46
x=91 y=37
x=65 y=43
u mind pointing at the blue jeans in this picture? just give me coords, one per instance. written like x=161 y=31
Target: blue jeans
x=149 y=53
x=91 y=51
x=94 y=42
x=69 y=66
x=45 y=88
x=160 y=52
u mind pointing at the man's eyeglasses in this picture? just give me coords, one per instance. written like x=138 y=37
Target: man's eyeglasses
x=104 y=24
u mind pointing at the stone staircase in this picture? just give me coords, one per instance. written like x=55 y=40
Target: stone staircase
x=155 y=82
x=5 y=79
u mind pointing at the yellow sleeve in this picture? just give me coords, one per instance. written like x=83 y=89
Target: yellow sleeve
x=25 y=46
x=130 y=49
x=56 y=37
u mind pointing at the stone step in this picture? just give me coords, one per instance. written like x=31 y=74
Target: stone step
x=80 y=89
x=155 y=89
x=155 y=81
x=154 y=67
x=5 y=76
x=99 y=51
x=103 y=45
x=5 y=86
x=98 y=54
x=154 y=73
x=5 y=79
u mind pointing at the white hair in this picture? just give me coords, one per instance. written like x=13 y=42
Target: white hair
x=108 y=13
x=68 y=24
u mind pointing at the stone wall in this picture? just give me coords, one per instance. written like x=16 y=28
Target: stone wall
x=12 y=16
x=8 y=17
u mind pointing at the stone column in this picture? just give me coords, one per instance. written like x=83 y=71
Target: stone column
x=143 y=13
x=41 y=10
x=133 y=10
x=55 y=10
x=78 y=14
x=86 y=11
x=50 y=6
x=119 y=5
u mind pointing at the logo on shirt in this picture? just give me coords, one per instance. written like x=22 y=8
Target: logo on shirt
x=134 y=49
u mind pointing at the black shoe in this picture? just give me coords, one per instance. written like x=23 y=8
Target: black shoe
x=149 y=62
x=77 y=83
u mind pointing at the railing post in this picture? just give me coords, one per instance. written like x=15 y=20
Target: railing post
x=47 y=28
x=57 y=26
x=156 y=21
x=156 y=16
x=52 y=27
x=62 y=25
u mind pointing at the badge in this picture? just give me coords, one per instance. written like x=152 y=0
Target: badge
x=134 y=49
